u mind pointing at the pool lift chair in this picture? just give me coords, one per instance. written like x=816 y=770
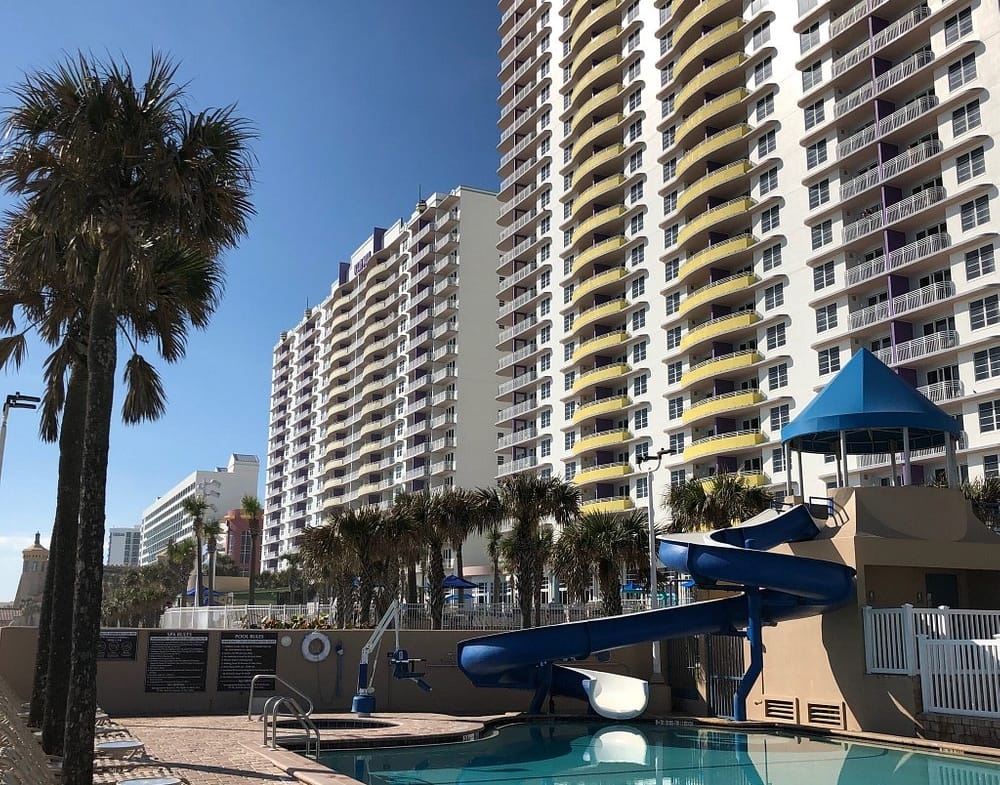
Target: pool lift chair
x=403 y=666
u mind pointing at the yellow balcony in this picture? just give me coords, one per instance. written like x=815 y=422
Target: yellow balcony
x=750 y=480
x=715 y=327
x=595 y=132
x=711 y=145
x=588 y=21
x=723 y=442
x=596 y=191
x=714 y=253
x=612 y=405
x=593 y=104
x=597 y=281
x=603 y=39
x=706 y=42
x=597 y=251
x=598 y=220
x=602 y=375
x=608 y=471
x=599 y=312
x=709 y=76
x=720 y=366
x=717 y=404
x=706 y=220
x=600 y=70
x=700 y=116
x=622 y=504
x=602 y=439
x=694 y=18
x=600 y=344
x=716 y=290
x=609 y=153
x=726 y=174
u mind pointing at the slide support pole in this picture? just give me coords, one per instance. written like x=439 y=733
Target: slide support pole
x=755 y=636
x=542 y=690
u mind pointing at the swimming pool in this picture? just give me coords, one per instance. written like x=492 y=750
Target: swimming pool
x=581 y=753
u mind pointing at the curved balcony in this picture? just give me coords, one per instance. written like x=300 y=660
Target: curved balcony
x=594 y=104
x=723 y=443
x=602 y=375
x=602 y=439
x=715 y=73
x=600 y=344
x=608 y=154
x=717 y=290
x=596 y=191
x=696 y=17
x=604 y=471
x=595 y=74
x=598 y=220
x=595 y=132
x=616 y=403
x=737 y=170
x=700 y=47
x=612 y=504
x=598 y=251
x=588 y=21
x=712 y=145
x=699 y=118
x=750 y=480
x=596 y=282
x=735 y=208
x=715 y=253
x=598 y=312
x=720 y=326
x=592 y=47
x=719 y=404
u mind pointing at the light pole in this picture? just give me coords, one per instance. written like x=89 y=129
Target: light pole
x=650 y=513
x=15 y=401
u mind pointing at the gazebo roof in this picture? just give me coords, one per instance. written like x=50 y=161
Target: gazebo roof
x=872 y=405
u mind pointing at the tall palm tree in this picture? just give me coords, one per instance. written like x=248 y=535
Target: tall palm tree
x=211 y=528
x=195 y=506
x=715 y=503
x=494 y=551
x=128 y=170
x=423 y=520
x=361 y=533
x=604 y=544
x=525 y=500
x=459 y=519
x=254 y=514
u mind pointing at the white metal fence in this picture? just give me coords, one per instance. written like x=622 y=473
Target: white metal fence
x=960 y=676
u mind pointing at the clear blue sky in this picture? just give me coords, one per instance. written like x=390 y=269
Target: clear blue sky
x=358 y=103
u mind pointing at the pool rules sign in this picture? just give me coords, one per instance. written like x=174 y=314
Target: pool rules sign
x=243 y=655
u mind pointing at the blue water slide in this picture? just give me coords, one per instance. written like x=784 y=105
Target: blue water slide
x=774 y=587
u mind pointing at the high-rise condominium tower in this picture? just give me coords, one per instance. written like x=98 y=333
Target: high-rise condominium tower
x=706 y=207
x=389 y=384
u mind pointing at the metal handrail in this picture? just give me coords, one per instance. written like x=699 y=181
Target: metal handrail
x=275 y=703
x=253 y=684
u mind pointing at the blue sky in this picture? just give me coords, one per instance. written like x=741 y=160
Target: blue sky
x=358 y=104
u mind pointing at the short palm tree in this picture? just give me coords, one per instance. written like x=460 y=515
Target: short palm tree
x=254 y=515
x=714 y=503
x=605 y=544
x=422 y=519
x=457 y=508
x=984 y=494
x=195 y=506
x=327 y=558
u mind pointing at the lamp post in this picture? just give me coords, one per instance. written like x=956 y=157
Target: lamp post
x=15 y=401
x=650 y=513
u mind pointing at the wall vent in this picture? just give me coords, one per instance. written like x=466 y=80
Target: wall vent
x=829 y=715
x=781 y=709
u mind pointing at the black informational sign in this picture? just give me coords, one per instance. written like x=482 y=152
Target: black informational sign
x=176 y=661
x=117 y=645
x=243 y=655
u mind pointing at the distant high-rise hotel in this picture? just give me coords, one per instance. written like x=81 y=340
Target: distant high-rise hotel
x=390 y=382
x=123 y=546
x=707 y=207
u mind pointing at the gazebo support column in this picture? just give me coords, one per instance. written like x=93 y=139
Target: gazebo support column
x=843 y=457
x=892 y=462
x=907 y=473
x=787 y=447
x=802 y=487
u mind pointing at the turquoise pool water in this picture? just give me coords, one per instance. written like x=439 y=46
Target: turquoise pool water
x=592 y=754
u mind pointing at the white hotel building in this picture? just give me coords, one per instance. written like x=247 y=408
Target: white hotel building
x=389 y=383
x=706 y=207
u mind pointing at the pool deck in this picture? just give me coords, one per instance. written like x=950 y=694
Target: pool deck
x=228 y=750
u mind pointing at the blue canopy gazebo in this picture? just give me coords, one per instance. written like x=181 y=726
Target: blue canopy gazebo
x=868 y=409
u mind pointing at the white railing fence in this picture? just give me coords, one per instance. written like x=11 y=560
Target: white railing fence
x=960 y=676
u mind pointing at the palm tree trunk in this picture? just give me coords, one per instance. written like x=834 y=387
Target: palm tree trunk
x=212 y=544
x=411 y=584
x=199 y=591
x=78 y=747
x=435 y=585
x=254 y=559
x=55 y=652
x=460 y=571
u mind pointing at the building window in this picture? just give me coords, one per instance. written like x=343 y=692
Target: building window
x=676 y=443
x=634 y=130
x=812 y=75
x=989 y=416
x=546 y=447
x=639 y=385
x=635 y=194
x=823 y=276
x=635 y=161
x=777 y=460
x=819 y=193
x=678 y=477
x=671 y=269
x=761 y=35
x=545 y=420
x=774 y=296
x=966 y=117
x=970 y=164
x=829 y=360
x=639 y=319
x=674 y=372
x=777 y=376
x=637 y=255
x=821 y=234
x=986 y=363
x=779 y=416
x=673 y=337
x=985 y=312
x=814 y=114
x=635 y=223
x=769 y=181
x=570 y=470
x=961 y=72
x=775 y=336
x=638 y=287
x=641 y=419
x=816 y=154
x=639 y=352
x=771 y=257
x=764 y=107
x=979 y=262
x=767 y=144
x=809 y=38
x=762 y=72
x=675 y=408
x=544 y=390
x=975 y=212
x=641 y=487
x=672 y=303
x=770 y=219
x=957 y=26
x=826 y=317
x=991 y=466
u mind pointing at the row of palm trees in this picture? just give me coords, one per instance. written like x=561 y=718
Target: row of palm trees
x=125 y=202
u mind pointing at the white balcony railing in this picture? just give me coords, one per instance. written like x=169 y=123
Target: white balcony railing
x=943 y=391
